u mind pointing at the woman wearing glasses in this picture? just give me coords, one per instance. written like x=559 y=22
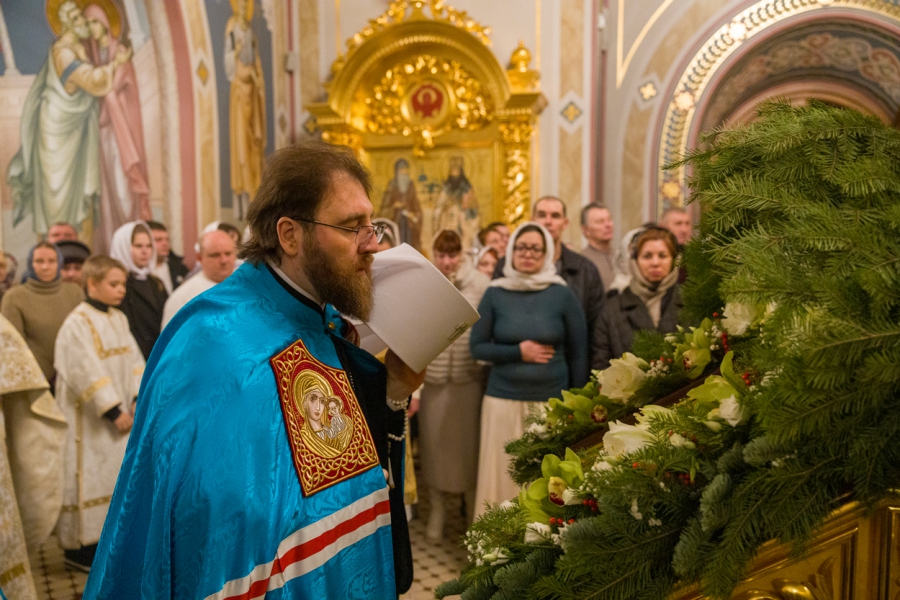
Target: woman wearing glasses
x=651 y=301
x=533 y=332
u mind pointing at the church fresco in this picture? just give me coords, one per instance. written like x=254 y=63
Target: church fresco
x=119 y=141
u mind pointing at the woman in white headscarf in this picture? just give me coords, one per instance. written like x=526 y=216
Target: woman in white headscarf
x=450 y=409
x=533 y=332
x=145 y=294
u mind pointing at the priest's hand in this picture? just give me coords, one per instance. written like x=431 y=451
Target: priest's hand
x=401 y=380
x=532 y=352
x=124 y=422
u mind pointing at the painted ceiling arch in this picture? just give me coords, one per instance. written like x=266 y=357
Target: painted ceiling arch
x=842 y=44
x=831 y=53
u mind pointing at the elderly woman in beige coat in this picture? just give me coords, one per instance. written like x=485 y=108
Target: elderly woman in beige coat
x=450 y=411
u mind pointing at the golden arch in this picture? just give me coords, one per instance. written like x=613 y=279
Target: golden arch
x=418 y=44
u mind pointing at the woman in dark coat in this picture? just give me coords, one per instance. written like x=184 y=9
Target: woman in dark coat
x=651 y=301
x=145 y=295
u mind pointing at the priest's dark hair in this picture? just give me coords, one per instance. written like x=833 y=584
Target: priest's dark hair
x=295 y=182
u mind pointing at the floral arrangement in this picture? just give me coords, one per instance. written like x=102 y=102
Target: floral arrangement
x=658 y=366
x=788 y=404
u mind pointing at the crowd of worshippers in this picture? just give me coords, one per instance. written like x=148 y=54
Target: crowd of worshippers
x=91 y=321
x=549 y=315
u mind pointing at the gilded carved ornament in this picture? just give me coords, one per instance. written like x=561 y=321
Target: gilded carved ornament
x=421 y=75
x=425 y=97
x=400 y=11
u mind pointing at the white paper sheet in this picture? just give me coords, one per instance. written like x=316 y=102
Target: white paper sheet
x=418 y=313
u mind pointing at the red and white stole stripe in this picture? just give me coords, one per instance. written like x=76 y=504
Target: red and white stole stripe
x=311 y=547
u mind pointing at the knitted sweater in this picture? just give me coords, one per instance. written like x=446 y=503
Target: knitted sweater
x=551 y=316
x=37 y=310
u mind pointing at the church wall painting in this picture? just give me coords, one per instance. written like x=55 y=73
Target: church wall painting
x=181 y=173
x=78 y=120
x=242 y=47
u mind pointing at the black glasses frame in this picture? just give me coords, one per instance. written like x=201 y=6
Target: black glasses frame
x=376 y=229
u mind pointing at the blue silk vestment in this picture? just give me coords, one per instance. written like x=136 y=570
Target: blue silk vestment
x=208 y=503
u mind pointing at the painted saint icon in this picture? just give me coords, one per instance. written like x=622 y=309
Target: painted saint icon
x=327 y=428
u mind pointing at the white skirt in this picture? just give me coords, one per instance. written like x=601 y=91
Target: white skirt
x=501 y=422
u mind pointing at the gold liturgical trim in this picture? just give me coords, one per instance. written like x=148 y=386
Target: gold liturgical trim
x=330 y=439
x=70 y=508
x=102 y=352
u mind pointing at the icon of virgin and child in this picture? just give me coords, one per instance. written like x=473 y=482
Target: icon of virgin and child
x=327 y=428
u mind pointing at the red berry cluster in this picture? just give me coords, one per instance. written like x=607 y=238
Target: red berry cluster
x=684 y=478
x=590 y=503
x=559 y=521
x=663 y=359
x=748 y=379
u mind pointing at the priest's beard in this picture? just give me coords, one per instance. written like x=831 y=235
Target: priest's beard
x=338 y=283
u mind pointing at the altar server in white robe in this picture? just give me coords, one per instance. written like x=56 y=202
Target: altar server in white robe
x=99 y=368
x=30 y=462
x=216 y=258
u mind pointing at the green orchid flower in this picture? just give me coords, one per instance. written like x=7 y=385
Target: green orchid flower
x=717 y=389
x=582 y=407
x=694 y=352
x=546 y=497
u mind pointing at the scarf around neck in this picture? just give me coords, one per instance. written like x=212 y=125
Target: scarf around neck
x=517 y=281
x=651 y=294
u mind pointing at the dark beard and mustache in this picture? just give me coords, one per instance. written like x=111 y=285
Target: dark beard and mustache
x=338 y=284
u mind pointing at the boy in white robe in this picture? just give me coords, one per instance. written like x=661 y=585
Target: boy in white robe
x=99 y=368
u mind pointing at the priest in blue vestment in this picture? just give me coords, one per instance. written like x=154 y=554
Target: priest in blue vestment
x=265 y=458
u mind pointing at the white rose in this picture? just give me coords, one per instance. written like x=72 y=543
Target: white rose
x=624 y=439
x=537 y=533
x=677 y=440
x=731 y=411
x=738 y=317
x=623 y=376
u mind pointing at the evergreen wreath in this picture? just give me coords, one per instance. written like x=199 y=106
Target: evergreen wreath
x=799 y=240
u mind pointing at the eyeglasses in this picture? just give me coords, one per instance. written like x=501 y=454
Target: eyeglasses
x=363 y=233
x=533 y=250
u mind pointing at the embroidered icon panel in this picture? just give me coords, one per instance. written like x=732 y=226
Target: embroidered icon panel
x=330 y=439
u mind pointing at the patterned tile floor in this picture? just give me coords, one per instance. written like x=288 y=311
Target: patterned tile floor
x=434 y=563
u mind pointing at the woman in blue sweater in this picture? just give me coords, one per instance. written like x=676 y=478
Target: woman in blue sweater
x=533 y=332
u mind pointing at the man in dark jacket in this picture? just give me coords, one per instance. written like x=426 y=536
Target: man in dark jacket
x=170 y=269
x=579 y=272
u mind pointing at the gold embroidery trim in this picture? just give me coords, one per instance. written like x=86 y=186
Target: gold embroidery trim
x=93 y=389
x=102 y=352
x=10 y=574
x=70 y=508
x=138 y=371
x=321 y=463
